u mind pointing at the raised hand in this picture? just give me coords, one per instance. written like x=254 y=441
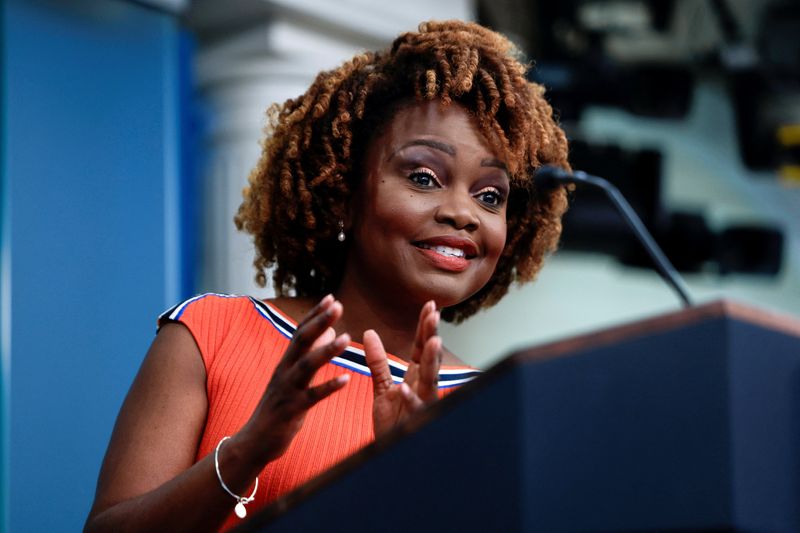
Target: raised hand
x=393 y=403
x=288 y=397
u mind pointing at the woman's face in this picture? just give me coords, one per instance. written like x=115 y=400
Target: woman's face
x=429 y=219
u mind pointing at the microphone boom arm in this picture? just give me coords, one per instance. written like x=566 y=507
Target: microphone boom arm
x=662 y=264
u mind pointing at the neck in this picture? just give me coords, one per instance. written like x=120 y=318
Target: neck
x=395 y=323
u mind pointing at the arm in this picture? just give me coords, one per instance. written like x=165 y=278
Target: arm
x=148 y=479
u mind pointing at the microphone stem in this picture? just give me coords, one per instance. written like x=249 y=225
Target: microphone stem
x=663 y=266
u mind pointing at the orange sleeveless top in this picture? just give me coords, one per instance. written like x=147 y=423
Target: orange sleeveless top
x=242 y=340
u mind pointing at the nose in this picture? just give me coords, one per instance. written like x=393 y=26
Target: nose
x=458 y=209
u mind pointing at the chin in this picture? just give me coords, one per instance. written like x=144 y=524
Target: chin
x=447 y=294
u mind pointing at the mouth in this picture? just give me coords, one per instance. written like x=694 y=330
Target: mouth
x=449 y=246
x=443 y=250
x=448 y=253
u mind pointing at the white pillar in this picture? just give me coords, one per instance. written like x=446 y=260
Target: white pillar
x=241 y=72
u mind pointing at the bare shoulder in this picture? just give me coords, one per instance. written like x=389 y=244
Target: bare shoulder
x=160 y=422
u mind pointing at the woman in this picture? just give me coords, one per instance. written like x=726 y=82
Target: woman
x=400 y=184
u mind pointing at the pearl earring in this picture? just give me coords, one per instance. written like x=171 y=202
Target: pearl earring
x=341 y=235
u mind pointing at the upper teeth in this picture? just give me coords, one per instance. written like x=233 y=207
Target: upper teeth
x=444 y=250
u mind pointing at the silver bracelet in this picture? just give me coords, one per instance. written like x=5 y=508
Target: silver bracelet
x=241 y=512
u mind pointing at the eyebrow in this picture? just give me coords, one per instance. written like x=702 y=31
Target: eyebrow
x=449 y=150
x=436 y=145
x=491 y=162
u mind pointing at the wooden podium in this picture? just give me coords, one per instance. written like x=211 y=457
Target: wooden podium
x=689 y=421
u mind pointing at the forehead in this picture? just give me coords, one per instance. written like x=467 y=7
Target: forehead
x=452 y=125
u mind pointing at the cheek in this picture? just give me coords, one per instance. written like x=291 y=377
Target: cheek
x=403 y=212
x=496 y=238
x=386 y=212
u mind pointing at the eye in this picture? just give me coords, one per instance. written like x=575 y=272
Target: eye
x=424 y=178
x=490 y=196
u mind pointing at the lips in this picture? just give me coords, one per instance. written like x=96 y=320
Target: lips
x=447 y=252
x=467 y=247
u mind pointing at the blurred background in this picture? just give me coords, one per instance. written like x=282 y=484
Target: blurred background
x=128 y=130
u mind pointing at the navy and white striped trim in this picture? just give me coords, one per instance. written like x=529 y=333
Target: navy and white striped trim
x=174 y=313
x=353 y=358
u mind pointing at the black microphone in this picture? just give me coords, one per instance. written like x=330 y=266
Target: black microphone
x=550 y=176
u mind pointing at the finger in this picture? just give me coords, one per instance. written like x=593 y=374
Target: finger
x=319 y=310
x=412 y=375
x=307 y=365
x=421 y=335
x=378 y=363
x=429 y=329
x=321 y=306
x=428 y=383
x=327 y=337
x=314 y=395
x=305 y=335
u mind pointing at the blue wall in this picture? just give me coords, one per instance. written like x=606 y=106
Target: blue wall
x=90 y=179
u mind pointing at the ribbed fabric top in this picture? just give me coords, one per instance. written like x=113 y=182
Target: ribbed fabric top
x=242 y=340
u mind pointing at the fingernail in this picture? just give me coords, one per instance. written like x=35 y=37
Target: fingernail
x=342 y=379
x=327 y=299
x=332 y=308
x=404 y=388
x=341 y=341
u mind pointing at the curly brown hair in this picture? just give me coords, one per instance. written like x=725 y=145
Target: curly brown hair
x=311 y=159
